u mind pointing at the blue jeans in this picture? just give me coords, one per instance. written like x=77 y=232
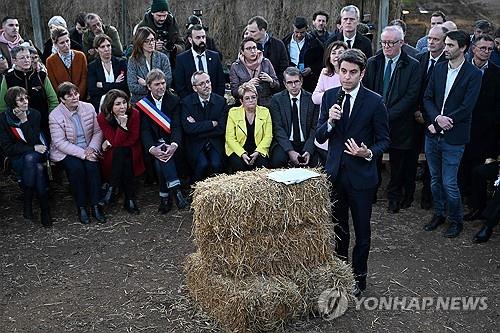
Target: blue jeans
x=208 y=162
x=444 y=160
x=30 y=168
x=167 y=175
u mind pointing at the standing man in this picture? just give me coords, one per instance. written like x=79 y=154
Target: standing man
x=96 y=27
x=349 y=18
x=355 y=121
x=393 y=75
x=320 y=22
x=9 y=38
x=198 y=58
x=161 y=20
x=204 y=117
x=304 y=52
x=273 y=48
x=437 y=18
x=294 y=117
x=449 y=99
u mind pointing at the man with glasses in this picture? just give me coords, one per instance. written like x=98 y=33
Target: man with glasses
x=483 y=148
x=42 y=96
x=198 y=58
x=96 y=27
x=294 y=117
x=393 y=75
x=203 y=117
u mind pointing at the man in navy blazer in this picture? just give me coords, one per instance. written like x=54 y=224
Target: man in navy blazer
x=198 y=58
x=357 y=127
x=203 y=118
x=449 y=99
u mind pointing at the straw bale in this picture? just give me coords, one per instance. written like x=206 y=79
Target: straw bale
x=269 y=253
x=253 y=304
x=245 y=203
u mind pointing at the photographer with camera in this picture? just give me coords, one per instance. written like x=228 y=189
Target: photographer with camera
x=163 y=23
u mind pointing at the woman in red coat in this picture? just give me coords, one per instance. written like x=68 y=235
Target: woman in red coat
x=120 y=125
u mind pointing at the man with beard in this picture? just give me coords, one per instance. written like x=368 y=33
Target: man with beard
x=9 y=38
x=198 y=58
x=320 y=22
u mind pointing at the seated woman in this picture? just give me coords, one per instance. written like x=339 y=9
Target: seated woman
x=122 y=148
x=106 y=72
x=20 y=140
x=143 y=59
x=252 y=67
x=76 y=143
x=249 y=132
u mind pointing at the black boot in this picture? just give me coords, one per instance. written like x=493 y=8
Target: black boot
x=98 y=214
x=131 y=206
x=28 y=204
x=180 y=200
x=165 y=204
x=483 y=235
x=83 y=215
x=44 y=210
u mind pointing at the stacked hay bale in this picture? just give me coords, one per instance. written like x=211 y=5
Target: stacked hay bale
x=264 y=250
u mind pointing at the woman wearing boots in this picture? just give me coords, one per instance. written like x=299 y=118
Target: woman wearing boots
x=123 y=160
x=21 y=141
x=76 y=144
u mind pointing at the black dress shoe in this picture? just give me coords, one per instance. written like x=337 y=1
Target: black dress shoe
x=483 y=235
x=83 y=215
x=474 y=214
x=131 y=206
x=165 y=204
x=453 y=230
x=393 y=207
x=98 y=214
x=180 y=200
x=434 y=223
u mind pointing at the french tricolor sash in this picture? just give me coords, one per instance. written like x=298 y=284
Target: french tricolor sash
x=18 y=133
x=150 y=109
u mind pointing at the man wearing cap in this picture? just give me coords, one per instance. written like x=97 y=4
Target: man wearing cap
x=162 y=21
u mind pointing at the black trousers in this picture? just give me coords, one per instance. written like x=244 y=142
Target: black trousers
x=236 y=163
x=359 y=202
x=481 y=174
x=401 y=181
x=122 y=175
x=465 y=182
x=84 y=179
x=279 y=157
x=492 y=210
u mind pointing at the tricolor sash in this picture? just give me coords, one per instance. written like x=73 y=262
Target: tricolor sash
x=18 y=133
x=150 y=109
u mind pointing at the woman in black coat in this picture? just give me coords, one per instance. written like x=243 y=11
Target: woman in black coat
x=106 y=72
x=21 y=141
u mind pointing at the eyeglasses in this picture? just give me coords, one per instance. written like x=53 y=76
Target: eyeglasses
x=251 y=48
x=22 y=99
x=27 y=57
x=293 y=83
x=149 y=41
x=250 y=98
x=203 y=84
x=389 y=43
x=486 y=49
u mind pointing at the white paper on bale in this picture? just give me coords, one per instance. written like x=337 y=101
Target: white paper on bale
x=292 y=176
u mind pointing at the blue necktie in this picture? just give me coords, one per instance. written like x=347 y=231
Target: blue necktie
x=387 y=77
x=200 y=64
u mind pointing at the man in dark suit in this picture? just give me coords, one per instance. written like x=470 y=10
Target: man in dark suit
x=349 y=16
x=484 y=132
x=273 y=48
x=198 y=58
x=203 y=117
x=449 y=99
x=358 y=132
x=161 y=135
x=392 y=74
x=427 y=60
x=294 y=117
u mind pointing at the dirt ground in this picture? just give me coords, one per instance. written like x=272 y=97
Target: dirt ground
x=126 y=275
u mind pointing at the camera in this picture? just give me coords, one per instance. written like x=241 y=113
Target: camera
x=163 y=36
x=198 y=12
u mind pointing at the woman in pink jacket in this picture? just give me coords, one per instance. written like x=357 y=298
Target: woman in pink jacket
x=76 y=143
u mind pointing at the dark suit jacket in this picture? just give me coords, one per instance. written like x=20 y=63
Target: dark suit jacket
x=402 y=96
x=368 y=123
x=95 y=74
x=199 y=133
x=485 y=130
x=423 y=59
x=281 y=115
x=459 y=104
x=185 y=67
x=275 y=51
x=360 y=42
x=151 y=132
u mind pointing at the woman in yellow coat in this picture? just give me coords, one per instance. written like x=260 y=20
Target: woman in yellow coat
x=249 y=132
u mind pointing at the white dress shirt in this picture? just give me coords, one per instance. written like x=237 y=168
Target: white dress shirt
x=203 y=60
x=298 y=108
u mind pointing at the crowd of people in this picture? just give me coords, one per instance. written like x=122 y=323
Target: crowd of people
x=106 y=114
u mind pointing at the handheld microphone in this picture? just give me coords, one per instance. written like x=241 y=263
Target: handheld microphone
x=340 y=98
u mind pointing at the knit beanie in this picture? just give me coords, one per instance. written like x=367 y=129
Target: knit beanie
x=159 y=6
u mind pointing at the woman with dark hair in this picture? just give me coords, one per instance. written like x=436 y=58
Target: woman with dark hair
x=251 y=66
x=120 y=125
x=143 y=59
x=76 y=143
x=21 y=141
x=106 y=72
